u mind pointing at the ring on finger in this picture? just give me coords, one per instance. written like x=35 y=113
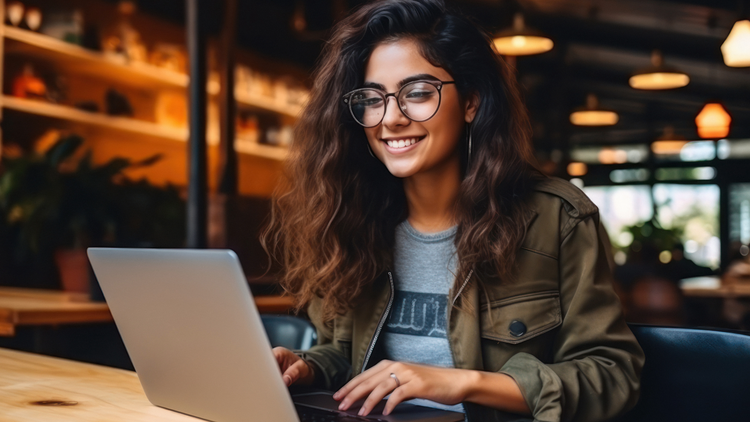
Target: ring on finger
x=398 y=383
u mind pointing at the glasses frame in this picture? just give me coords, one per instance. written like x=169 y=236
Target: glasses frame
x=436 y=83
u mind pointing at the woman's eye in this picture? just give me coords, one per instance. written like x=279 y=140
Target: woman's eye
x=367 y=101
x=418 y=94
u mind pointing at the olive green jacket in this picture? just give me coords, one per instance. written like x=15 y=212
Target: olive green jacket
x=574 y=358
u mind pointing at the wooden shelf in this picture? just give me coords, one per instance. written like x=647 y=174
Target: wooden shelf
x=76 y=59
x=126 y=124
x=261 y=150
x=67 y=113
x=267 y=104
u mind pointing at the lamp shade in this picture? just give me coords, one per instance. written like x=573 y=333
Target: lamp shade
x=669 y=143
x=658 y=76
x=713 y=121
x=521 y=41
x=736 y=48
x=592 y=115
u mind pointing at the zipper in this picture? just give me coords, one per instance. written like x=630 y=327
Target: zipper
x=371 y=347
x=461 y=289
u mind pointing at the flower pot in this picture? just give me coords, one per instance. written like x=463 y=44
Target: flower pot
x=73 y=265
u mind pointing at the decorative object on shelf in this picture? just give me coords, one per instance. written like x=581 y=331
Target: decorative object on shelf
x=169 y=56
x=658 y=76
x=124 y=43
x=28 y=85
x=65 y=25
x=713 y=121
x=736 y=48
x=88 y=105
x=55 y=202
x=117 y=104
x=521 y=40
x=593 y=115
x=33 y=18
x=247 y=127
x=171 y=109
x=14 y=11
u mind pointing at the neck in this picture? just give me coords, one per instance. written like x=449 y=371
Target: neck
x=431 y=197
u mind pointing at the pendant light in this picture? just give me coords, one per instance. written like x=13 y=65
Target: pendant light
x=736 y=48
x=658 y=76
x=521 y=41
x=669 y=143
x=592 y=115
x=713 y=121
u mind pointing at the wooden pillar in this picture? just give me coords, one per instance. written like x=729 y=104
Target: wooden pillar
x=197 y=221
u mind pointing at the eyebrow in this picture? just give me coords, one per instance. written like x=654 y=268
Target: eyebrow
x=402 y=82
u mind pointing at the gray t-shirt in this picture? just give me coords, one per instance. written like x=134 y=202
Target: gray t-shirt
x=424 y=268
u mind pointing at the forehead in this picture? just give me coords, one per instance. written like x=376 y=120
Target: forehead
x=393 y=61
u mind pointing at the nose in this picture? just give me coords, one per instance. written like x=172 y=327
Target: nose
x=393 y=115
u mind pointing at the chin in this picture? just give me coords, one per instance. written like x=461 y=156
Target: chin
x=400 y=170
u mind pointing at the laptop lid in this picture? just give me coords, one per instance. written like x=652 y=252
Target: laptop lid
x=193 y=333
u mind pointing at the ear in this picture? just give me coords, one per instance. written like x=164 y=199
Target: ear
x=472 y=105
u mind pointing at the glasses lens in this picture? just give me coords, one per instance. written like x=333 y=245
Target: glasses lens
x=367 y=107
x=419 y=100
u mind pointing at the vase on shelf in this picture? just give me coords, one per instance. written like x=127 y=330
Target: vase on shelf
x=73 y=266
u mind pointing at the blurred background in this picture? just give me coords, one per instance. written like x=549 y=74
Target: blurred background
x=643 y=104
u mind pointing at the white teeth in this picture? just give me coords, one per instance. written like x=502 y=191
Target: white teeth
x=402 y=143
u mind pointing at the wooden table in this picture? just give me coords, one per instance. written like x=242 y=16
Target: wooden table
x=74 y=392
x=20 y=306
x=711 y=287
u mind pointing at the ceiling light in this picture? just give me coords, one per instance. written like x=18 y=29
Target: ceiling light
x=713 y=121
x=521 y=41
x=668 y=143
x=577 y=169
x=592 y=115
x=658 y=76
x=736 y=48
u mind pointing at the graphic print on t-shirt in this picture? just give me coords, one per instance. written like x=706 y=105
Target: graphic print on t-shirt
x=418 y=314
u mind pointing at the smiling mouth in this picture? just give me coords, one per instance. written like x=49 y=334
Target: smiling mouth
x=403 y=142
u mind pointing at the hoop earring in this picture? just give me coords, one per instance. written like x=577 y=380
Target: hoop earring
x=369 y=149
x=468 y=161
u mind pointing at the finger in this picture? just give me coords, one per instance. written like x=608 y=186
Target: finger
x=292 y=374
x=354 y=382
x=380 y=391
x=397 y=396
x=365 y=388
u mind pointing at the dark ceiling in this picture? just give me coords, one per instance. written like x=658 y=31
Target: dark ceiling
x=598 y=44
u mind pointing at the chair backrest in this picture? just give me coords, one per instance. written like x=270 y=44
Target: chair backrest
x=291 y=332
x=692 y=375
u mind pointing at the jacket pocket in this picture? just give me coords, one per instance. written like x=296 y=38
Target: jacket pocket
x=519 y=318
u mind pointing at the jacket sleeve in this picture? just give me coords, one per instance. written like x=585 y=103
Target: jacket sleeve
x=597 y=361
x=331 y=356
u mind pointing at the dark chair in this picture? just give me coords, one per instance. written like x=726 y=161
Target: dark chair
x=692 y=375
x=291 y=332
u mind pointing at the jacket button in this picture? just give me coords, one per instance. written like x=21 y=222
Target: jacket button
x=517 y=328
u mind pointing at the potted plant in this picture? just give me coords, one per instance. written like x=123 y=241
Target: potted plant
x=58 y=202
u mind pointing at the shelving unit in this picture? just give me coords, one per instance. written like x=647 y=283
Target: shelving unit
x=74 y=59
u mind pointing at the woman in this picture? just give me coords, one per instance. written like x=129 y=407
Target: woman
x=434 y=260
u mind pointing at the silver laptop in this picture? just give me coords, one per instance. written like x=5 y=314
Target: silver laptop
x=196 y=340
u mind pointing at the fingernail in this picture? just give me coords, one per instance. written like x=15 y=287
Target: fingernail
x=361 y=412
x=287 y=380
x=336 y=396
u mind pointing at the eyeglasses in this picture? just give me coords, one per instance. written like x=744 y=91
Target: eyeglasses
x=417 y=100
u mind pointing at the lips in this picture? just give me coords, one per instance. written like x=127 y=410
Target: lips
x=397 y=143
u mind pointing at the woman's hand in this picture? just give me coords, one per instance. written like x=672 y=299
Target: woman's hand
x=442 y=385
x=294 y=369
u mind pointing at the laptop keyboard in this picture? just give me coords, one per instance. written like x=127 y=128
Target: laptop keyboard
x=310 y=414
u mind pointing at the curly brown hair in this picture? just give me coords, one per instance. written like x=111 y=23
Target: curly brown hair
x=333 y=220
